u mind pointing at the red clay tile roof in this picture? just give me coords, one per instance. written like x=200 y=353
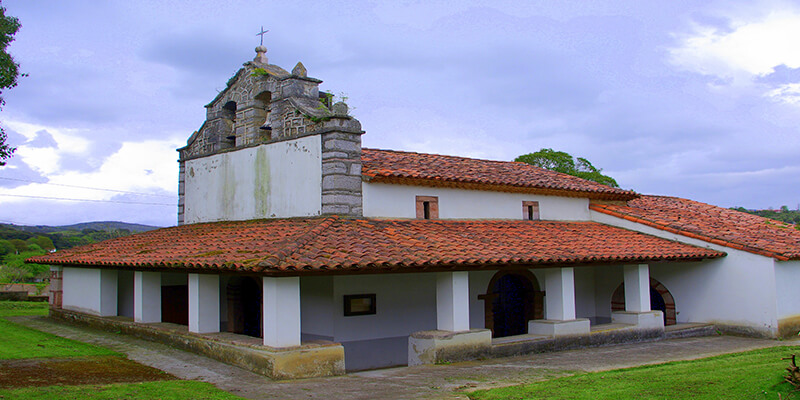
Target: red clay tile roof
x=333 y=244
x=437 y=170
x=713 y=224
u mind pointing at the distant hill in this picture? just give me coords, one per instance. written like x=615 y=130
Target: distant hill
x=66 y=236
x=96 y=225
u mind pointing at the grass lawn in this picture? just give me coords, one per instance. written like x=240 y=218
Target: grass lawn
x=164 y=390
x=754 y=374
x=20 y=342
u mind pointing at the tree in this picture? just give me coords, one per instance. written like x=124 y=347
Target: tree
x=560 y=161
x=9 y=72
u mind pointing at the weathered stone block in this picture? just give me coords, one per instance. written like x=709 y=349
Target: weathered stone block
x=431 y=347
x=550 y=327
x=341 y=182
x=350 y=200
x=645 y=319
x=334 y=154
x=328 y=209
x=334 y=167
x=342 y=145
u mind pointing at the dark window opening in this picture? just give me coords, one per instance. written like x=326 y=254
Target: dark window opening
x=427 y=207
x=530 y=210
x=359 y=304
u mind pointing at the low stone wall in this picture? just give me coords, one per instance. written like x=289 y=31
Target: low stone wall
x=594 y=339
x=306 y=361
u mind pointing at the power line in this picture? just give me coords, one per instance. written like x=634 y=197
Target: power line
x=84 y=187
x=88 y=200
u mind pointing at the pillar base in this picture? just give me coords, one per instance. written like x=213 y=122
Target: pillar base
x=555 y=327
x=433 y=347
x=644 y=319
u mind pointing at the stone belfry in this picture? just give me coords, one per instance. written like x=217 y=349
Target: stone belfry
x=272 y=146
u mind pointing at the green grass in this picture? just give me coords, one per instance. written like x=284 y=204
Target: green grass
x=14 y=308
x=20 y=342
x=165 y=390
x=750 y=375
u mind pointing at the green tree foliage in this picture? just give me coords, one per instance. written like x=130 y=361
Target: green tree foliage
x=560 y=161
x=43 y=242
x=9 y=72
x=6 y=248
x=783 y=215
x=19 y=245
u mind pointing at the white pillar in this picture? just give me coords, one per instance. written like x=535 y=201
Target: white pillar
x=108 y=292
x=560 y=293
x=281 y=312
x=452 y=301
x=146 y=296
x=637 y=287
x=203 y=303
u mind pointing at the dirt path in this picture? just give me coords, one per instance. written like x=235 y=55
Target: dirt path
x=76 y=371
x=421 y=382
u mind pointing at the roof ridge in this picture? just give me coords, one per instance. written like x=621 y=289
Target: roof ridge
x=448 y=156
x=274 y=260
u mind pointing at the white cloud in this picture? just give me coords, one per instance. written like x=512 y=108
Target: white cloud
x=145 y=167
x=750 y=49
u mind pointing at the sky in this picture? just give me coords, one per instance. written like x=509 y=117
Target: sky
x=692 y=99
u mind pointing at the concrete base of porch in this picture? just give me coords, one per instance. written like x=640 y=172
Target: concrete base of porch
x=556 y=328
x=643 y=320
x=305 y=361
x=433 y=347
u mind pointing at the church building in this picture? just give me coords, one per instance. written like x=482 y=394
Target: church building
x=300 y=253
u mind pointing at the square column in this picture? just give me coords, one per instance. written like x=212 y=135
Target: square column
x=281 y=312
x=203 y=303
x=637 y=287
x=146 y=296
x=637 y=301
x=559 y=284
x=452 y=301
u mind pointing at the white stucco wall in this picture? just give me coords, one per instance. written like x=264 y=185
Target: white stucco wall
x=278 y=180
x=406 y=303
x=738 y=289
x=787 y=279
x=89 y=290
x=387 y=200
x=316 y=305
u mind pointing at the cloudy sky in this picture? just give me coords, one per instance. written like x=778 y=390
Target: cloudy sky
x=692 y=99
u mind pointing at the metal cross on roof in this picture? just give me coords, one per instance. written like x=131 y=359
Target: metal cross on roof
x=262 y=34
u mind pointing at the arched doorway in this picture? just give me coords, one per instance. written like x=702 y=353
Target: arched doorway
x=660 y=299
x=512 y=299
x=244 y=297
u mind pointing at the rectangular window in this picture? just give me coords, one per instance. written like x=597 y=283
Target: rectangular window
x=530 y=210
x=359 y=304
x=427 y=207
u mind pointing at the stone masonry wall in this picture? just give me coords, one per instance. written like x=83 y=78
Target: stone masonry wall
x=341 y=173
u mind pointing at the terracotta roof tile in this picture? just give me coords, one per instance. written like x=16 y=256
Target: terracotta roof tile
x=437 y=170
x=289 y=246
x=722 y=226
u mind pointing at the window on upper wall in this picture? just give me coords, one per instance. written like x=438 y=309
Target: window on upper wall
x=530 y=210
x=427 y=207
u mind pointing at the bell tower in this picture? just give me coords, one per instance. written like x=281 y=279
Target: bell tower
x=272 y=146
